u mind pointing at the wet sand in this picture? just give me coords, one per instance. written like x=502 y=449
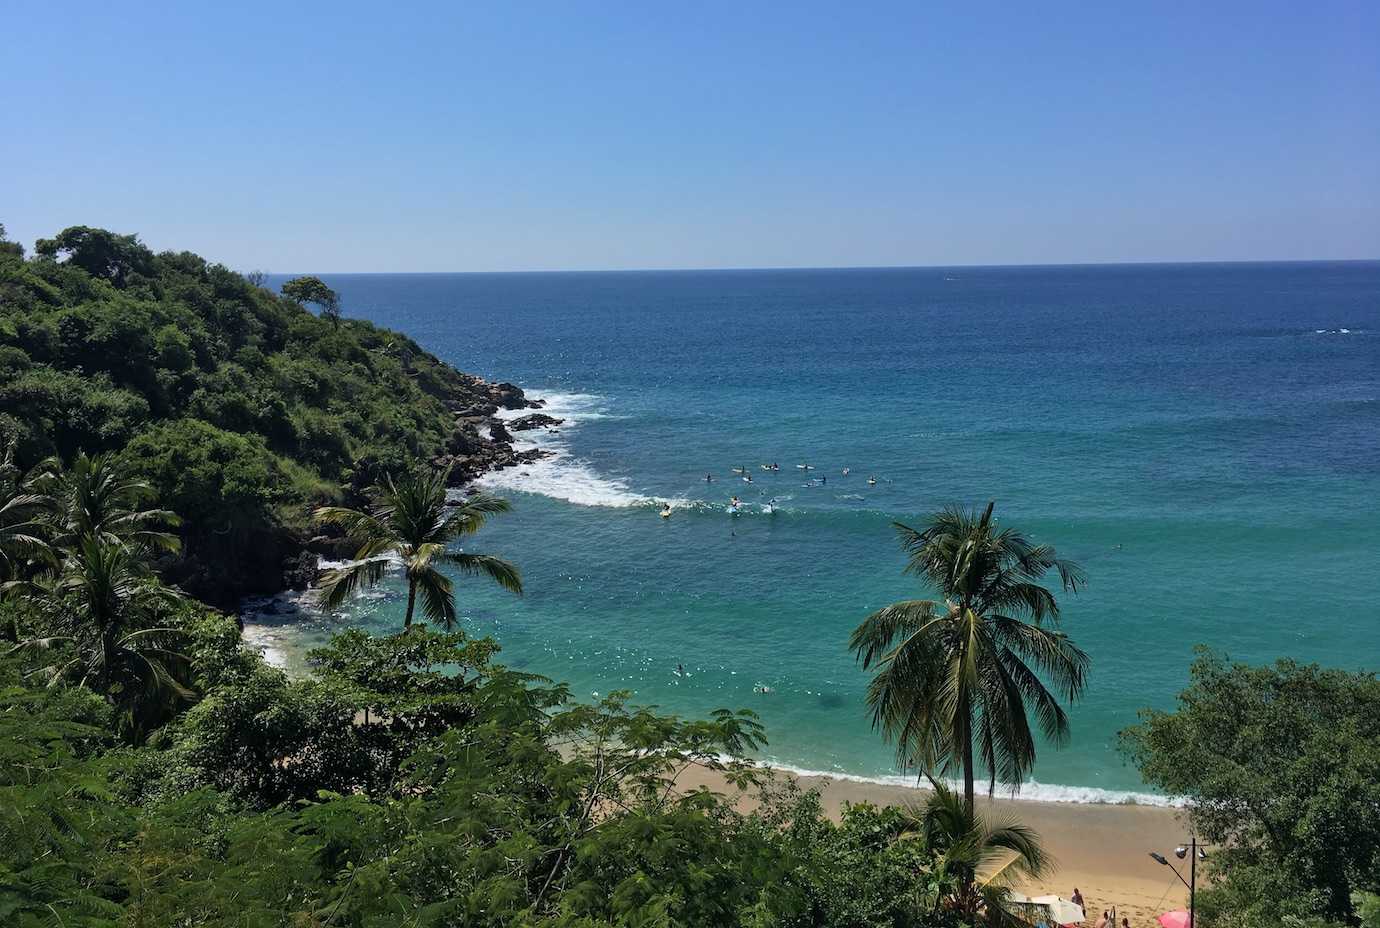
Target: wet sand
x=1103 y=850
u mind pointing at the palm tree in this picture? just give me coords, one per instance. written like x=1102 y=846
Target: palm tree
x=412 y=521
x=976 y=858
x=92 y=498
x=958 y=672
x=107 y=603
x=23 y=540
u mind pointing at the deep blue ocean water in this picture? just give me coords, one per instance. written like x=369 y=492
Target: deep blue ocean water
x=1205 y=439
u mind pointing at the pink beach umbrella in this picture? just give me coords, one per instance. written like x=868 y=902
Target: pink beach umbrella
x=1176 y=919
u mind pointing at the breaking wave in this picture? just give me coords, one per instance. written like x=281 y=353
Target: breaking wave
x=561 y=475
x=1030 y=791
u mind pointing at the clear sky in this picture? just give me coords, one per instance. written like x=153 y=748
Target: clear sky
x=442 y=136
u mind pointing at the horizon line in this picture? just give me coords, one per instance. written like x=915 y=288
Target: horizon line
x=843 y=267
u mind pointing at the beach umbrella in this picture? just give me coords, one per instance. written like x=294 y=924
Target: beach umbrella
x=1176 y=919
x=1061 y=911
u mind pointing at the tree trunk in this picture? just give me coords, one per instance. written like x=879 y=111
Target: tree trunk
x=411 y=603
x=968 y=757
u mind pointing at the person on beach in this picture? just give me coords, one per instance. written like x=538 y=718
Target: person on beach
x=1077 y=899
x=1106 y=920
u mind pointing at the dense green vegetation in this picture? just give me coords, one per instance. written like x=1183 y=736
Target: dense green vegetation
x=155 y=772
x=241 y=408
x=1282 y=765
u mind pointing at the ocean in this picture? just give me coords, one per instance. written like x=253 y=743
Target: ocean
x=1204 y=439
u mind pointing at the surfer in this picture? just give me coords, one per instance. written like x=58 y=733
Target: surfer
x=823 y=479
x=845 y=472
x=872 y=481
x=708 y=478
x=666 y=511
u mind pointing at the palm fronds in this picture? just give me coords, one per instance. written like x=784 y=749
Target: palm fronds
x=960 y=676
x=411 y=519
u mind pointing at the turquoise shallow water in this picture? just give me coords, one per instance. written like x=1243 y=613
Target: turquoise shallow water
x=1204 y=438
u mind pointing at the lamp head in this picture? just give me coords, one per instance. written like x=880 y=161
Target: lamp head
x=1181 y=852
x=1202 y=854
x=1159 y=858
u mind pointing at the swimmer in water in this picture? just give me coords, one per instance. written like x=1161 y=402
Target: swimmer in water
x=708 y=478
x=824 y=478
x=845 y=472
x=872 y=481
x=666 y=511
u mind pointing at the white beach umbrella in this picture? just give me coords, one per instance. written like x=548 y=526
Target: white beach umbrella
x=1061 y=911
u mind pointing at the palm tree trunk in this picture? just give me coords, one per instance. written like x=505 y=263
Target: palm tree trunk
x=968 y=760
x=411 y=603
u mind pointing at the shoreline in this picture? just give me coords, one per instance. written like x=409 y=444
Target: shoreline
x=1100 y=848
x=267 y=623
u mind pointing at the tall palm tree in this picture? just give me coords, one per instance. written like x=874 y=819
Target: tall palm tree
x=93 y=498
x=412 y=521
x=961 y=672
x=976 y=858
x=107 y=604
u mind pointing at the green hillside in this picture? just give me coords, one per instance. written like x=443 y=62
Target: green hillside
x=240 y=406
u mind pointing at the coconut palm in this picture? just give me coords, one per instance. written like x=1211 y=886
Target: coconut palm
x=977 y=858
x=93 y=498
x=964 y=672
x=412 y=521
x=106 y=605
x=22 y=529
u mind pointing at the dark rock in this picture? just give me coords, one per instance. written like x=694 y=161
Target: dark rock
x=537 y=420
x=465 y=440
x=507 y=395
x=300 y=572
x=480 y=410
x=498 y=431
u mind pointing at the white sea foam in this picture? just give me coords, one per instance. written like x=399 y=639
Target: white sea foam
x=561 y=475
x=1031 y=790
x=266 y=641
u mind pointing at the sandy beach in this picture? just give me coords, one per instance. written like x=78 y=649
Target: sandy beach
x=1103 y=850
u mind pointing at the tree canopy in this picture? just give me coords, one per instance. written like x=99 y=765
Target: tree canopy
x=314 y=290
x=1281 y=765
x=240 y=408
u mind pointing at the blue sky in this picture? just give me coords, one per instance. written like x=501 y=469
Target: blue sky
x=508 y=136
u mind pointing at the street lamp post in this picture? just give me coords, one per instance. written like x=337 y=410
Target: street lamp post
x=1194 y=854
